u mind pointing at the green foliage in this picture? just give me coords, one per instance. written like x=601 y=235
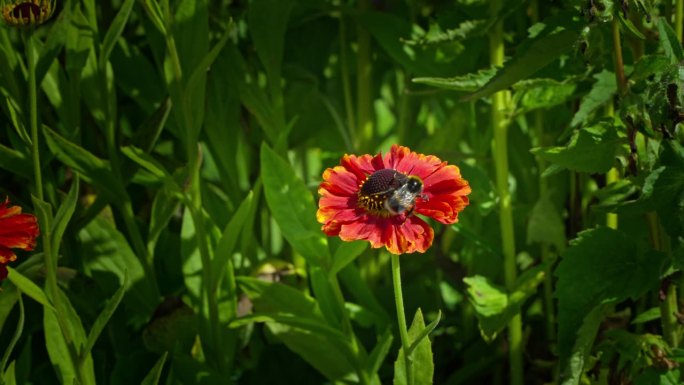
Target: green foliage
x=180 y=145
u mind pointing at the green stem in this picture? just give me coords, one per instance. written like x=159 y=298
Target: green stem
x=500 y=124
x=549 y=308
x=346 y=83
x=619 y=64
x=669 y=306
x=33 y=112
x=401 y=318
x=679 y=20
x=363 y=85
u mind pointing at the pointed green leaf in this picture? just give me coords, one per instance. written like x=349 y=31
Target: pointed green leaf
x=29 y=288
x=467 y=83
x=103 y=318
x=380 y=351
x=601 y=93
x=540 y=52
x=154 y=375
x=115 y=30
x=423 y=365
x=345 y=254
x=424 y=333
x=226 y=245
x=64 y=214
x=591 y=149
x=93 y=169
x=62 y=344
x=581 y=349
x=669 y=42
x=292 y=207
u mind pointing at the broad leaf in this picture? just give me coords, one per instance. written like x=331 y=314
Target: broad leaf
x=540 y=52
x=494 y=306
x=421 y=357
x=601 y=93
x=601 y=266
x=591 y=149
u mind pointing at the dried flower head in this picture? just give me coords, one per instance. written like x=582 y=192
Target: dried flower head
x=20 y=13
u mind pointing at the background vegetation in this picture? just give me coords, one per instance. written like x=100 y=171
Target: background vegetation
x=180 y=145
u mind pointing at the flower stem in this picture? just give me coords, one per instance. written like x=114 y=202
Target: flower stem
x=33 y=113
x=401 y=318
x=500 y=125
x=679 y=20
x=346 y=84
x=549 y=308
x=363 y=85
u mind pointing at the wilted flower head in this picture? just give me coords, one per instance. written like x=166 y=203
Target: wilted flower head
x=374 y=198
x=17 y=231
x=26 y=12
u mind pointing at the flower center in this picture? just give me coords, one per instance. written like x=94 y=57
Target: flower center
x=25 y=10
x=377 y=189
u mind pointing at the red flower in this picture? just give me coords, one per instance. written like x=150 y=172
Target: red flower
x=373 y=198
x=17 y=231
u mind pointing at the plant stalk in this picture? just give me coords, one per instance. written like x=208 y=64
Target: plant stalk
x=364 y=102
x=33 y=113
x=401 y=318
x=679 y=20
x=346 y=83
x=500 y=125
x=549 y=308
x=619 y=63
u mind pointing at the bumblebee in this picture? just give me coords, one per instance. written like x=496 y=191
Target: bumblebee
x=389 y=192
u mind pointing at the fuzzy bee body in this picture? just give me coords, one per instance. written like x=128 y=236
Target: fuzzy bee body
x=389 y=192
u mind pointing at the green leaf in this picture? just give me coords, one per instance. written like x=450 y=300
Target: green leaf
x=226 y=245
x=423 y=366
x=15 y=162
x=649 y=65
x=541 y=51
x=29 y=288
x=64 y=214
x=10 y=377
x=649 y=315
x=154 y=12
x=380 y=351
x=533 y=94
x=591 y=149
x=114 y=31
x=268 y=22
x=154 y=375
x=296 y=320
x=62 y=344
x=467 y=83
x=601 y=266
x=601 y=93
x=325 y=296
x=387 y=29
x=345 y=254
x=546 y=225
x=292 y=207
x=627 y=23
x=494 y=306
x=424 y=333
x=103 y=318
x=581 y=349
x=147 y=162
x=105 y=251
x=669 y=41
x=93 y=169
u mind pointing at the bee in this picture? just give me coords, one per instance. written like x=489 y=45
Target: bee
x=389 y=192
